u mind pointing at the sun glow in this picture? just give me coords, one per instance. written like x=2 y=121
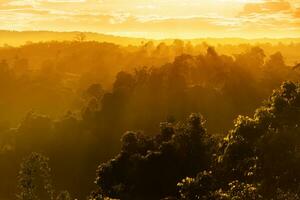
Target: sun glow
x=147 y=18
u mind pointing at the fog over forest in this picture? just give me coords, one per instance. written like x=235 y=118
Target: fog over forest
x=99 y=117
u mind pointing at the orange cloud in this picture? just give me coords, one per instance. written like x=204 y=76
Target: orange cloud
x=267 y=7
x=297 y=13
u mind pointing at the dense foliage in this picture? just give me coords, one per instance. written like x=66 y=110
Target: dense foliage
x=85 y=95
x=258 y=158
x=149 y=168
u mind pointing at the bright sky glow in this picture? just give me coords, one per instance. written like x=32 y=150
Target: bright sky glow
x=156 y=18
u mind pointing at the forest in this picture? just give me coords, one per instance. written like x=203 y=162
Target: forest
x=152 y=120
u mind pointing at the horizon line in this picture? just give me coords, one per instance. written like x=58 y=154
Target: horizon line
x=152 y=38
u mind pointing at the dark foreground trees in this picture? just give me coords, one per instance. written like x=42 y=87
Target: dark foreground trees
x=150 y=167
x=258 y=159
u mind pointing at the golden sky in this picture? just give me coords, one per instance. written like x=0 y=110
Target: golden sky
x=156 y=18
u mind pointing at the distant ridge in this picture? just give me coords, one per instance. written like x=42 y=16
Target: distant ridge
x=16 y=38
x=22 y=37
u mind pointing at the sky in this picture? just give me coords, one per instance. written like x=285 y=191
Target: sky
x=157 y=18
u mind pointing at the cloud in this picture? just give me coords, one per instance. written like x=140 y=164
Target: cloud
x=267 y=7
x=297 y=13
x=263 y=18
